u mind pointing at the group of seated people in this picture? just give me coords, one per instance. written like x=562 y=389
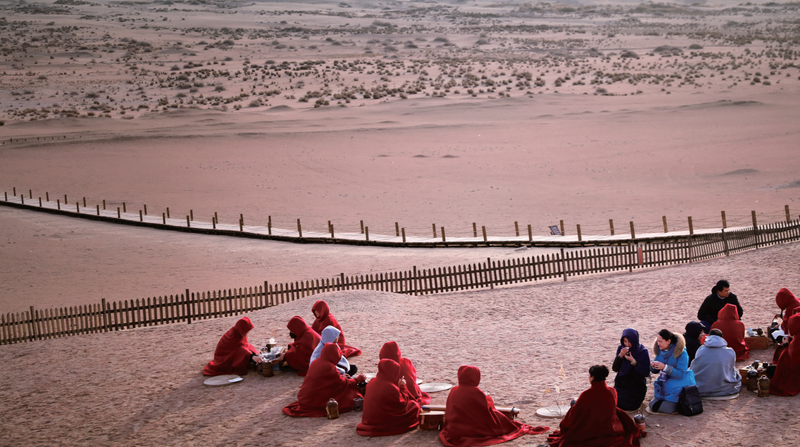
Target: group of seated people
x=705 y=356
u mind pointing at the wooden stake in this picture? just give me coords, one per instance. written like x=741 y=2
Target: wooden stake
x=299 y=229
x=167 y=212
x=84 y=202
x=145 y=209
x=755 y=224
x=633 y=232
x=47 y=196
x=124 y=208
x=22 y=198
x=724 y=221
x=216 y=219
x=516 y=227
x=213 y=223
x=14 y=191
x=5 y=193
x=330 y=225
x=77 y=207
x=188 y=225
x=434 y=230
x=140 y=216
x=443 y=238
x=483 y=229
x=611 y=226
x=164 y=218
x=403 y=231
x=119 y=216
x=65 y=199
x=269 y=224
x=397 y=228
x=362 y=227
x=366 y=233
x=579 y=233
x=474 y=230
x=530 y=233
x=788 y=218
x=58 y=203
x=664 y=221
x=104 y=204
x=691 y=227
x=191 y=214
x=40 y=202
x=98 y=209
x=562 y=228
x=30 y=195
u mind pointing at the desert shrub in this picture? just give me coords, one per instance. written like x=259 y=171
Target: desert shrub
x=695 y=46
x=629 y=54
x=175 y=68
x=219 y=88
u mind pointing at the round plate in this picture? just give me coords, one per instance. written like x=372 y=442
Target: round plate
x=371 y=376
x=222 y=380
x=435 y=387
x=555 y=411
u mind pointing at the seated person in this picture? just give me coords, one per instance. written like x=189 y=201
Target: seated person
x=595 y=420
x=789 y=305
x=786 y=381
x=390 y=350
x=720 y=296
x=694 y=334
x=632 y=365
x=322 y=319
x=322 y=383
x=471 y=419
x=387 y=408
x=298 y=356
x=234 y=353
x=329 y=335
x=672 y=365
x=714 y=367
x=733 y=331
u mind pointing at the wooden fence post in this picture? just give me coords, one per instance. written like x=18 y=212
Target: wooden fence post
x=104 y=312
x=140 y=216
x=725 y=243
x=483 y=228
x=434 y=230
x=516 y=227
x=164 y=218
x=403 y=231
x=30 y=196
x=191 y=214
x=40 y=204
x=46 y=196
x=35 y=330
x=188 y=308
x=561 y=224
x=490 y=273
x=474 y=230
x=77 y=207
x=530 y=233
x=397 y=229
x=98 y=208
x=443 y=238
x=362 y=227
x=119 y=216
x=755 y=227
x=366 y=233
x=788 y=217
x=167 y=212
x=691 y=227
x=579 y=233
x=664 y=220
x=330 y=225
x=269 y=223
x=58 y=203
x=633 y=231
x=213 y=223
x=124 y=208
x=611 y=226
x=563 y=264
x=188 y=225
x=145 y=207
x=724 y=221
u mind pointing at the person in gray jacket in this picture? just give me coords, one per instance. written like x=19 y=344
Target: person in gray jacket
x=714 y=367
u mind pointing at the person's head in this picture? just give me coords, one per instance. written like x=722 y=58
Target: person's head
x=723 y=288
x=390 y=350
x=320 y=309
x=329 y=335
x=630 y=338
x=694 y=330
x=297 y=326
x=469 y=376
x=388 y=370
x=665 y=338
x=598 y=373
x=716 y=332
x=243 y=326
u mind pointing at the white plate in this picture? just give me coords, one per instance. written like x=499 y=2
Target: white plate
x=222 y=380
x=371 y=376
x=435 y=387
x=556 y=411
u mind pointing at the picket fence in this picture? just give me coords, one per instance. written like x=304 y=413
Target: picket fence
x=42 y=324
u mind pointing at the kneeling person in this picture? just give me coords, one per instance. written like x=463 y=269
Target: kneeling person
x=388 y=409
x=714 y=367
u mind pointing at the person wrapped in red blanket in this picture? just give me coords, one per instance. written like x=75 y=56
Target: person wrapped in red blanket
x=789 y=305
x=732 y=330
x=323 y=382
x=595 y=420
x=391 y=350
x=233 y=352
x=323 y=319
x=786 y=381
x=471 y=419
x=298 y=356
x=388 y=410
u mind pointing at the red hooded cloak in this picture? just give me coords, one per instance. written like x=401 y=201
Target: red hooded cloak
x=299 y=353
x=786 y=381
x=323 y=382
x=387 y=409
x=325 y=319
x=732 y=330
x=391 y=351
x=595 y=421
x=233 y=351
x=471 y=419
x=788 y=303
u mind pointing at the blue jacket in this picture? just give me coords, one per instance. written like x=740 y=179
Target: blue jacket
x=677 y=370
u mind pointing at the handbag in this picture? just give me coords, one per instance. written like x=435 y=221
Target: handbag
x=690 y=404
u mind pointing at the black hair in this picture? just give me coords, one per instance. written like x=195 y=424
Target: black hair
x=598 y=372
x=716 y=332
x=721 y=284
x=291 y=334
x=667 y=335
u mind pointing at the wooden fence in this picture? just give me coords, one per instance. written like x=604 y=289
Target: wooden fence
x=38 y=324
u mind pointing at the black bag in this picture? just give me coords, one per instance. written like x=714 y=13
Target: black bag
x=690 y=403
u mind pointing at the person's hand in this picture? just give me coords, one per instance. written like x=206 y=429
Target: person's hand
x=361 y=378
x=257 y=359
x=629 y=357
x=402 y=382
x=280 y=358
x=658 y=365
x=623 y=352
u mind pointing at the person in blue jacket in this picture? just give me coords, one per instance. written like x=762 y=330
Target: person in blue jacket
x=671 y=362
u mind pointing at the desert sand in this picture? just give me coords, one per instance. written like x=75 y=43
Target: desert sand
x=420 y=113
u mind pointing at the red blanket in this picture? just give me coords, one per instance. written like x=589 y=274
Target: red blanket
x=387 y=408
x=788 y=303
x=595 y=421
x=472 y=420
x=306 y=339
x=732 y=330
x=233 y=351
x=786 y=381
x=323 y=382
x=391 y=350
x=325 y=319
